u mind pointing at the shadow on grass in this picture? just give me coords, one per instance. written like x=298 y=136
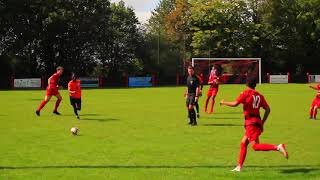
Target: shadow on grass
x=228 y=112
x=37 y=99
x=90 y=115
x=299 y=170
x=224 y=118
x=284 y=168
x=222 y=125
x=83 y=115
x=99 y=119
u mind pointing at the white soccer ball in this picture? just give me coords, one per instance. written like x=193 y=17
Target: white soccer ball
x=74 y=130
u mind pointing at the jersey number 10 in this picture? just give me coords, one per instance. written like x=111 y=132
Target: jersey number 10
x=256 y=102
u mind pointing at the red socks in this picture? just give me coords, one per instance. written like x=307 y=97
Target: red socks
x=42 y=105
x=313 y=112
x=243 y=153
x=212 y=105
x=264 y=147
x=45 y=102
x=57 y=104
x=256 y=147
x=206 y=105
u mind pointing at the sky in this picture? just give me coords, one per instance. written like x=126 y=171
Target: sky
x=142 y=8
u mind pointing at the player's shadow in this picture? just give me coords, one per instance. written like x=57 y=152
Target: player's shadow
x=282 y=168
x=222 y=125
x=299 y=170
x=228 y=113
x=83 y=115
x=90 y=115
x=113 y=167
x=99 y=119
x=35 y=99
x=224 y=118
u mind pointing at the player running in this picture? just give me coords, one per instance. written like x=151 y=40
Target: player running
x=315 y=103
x=252 y=101
x=213 y=89
x=74 y=89
x=52 y=90
x=192 y=95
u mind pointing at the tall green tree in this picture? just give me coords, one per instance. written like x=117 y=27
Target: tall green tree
x=125 y=37
x=164 y=54
x=80 y=35
x=295 y=27
x=221 y=28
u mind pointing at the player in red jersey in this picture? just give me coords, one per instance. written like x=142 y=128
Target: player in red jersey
x=74 y=89
x=315 y=103
x=52 y=90
x=213 y=89
x=201 y=80
x=252 y=101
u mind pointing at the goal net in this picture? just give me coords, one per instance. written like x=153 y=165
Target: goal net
x=232 y=70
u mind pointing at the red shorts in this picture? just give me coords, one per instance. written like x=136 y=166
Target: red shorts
x=253 y=132
x=212 y=91
x=315 y=102
x=52 y=91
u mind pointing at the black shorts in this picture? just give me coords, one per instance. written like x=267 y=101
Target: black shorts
x=191 y=99
x=75 y=101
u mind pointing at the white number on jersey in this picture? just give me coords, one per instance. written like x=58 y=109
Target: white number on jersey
x=256 y=101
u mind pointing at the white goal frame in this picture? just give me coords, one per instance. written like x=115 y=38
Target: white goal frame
x=231 y=59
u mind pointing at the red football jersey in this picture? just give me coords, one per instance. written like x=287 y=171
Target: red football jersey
x=213 y=78
x=54 y=79
x=200 y=77
x=75 y=86
x=252 y=102
x=318 y=89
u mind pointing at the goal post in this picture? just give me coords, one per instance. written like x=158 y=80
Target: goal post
x=242 y=63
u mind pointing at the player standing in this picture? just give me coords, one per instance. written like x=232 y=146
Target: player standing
x=252 y=101
x=213 y=89
x=192 y=95
x=52 y=90
x=315 y=103
x=74 y=89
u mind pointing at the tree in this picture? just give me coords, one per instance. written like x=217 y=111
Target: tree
x=79 y=35
x=295 y=37
x=176 y=22
x=125 y=37
x=164 y=54
x=220 y=28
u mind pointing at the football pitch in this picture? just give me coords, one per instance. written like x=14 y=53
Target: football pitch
x=143 y=134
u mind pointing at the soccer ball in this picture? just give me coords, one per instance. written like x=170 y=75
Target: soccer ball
x=74 y=130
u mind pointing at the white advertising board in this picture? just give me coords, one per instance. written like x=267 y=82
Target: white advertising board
x=314 y=78
x=27 y=83
x=278 y=79
x=317 y=78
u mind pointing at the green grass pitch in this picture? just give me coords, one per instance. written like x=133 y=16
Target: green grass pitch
x=143 y=134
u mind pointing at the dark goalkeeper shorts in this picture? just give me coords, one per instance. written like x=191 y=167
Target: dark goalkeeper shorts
x=75 y=102
x=191 y=99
